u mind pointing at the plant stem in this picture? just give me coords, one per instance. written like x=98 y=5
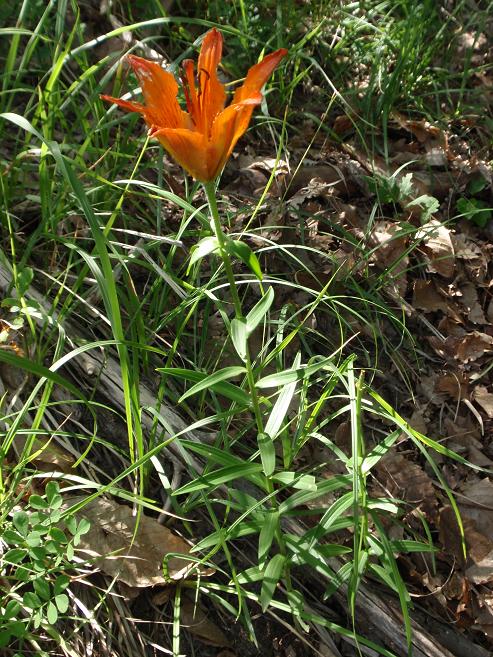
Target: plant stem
x=210 y=190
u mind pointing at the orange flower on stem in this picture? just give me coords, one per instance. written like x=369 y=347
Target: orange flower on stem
x=202 y=139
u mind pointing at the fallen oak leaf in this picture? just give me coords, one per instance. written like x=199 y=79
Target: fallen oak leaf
x=463 y=348
x=132 y=554
x=484 y=398
x=437 y=247
x=195 y=620
x=426 y=297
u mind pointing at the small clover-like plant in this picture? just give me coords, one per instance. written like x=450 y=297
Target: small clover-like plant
x=38 y=551
x=474 y=209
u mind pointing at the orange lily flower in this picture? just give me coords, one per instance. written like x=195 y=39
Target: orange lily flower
x=202 y=139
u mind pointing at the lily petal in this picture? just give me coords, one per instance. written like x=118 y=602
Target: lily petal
x=227 y=128
x=190 y=90
x=160 y=91
x=258 y=75
x=212 y=95
x=188 y=148
x=126 y=104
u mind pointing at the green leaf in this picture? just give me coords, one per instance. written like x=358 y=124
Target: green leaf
x=253 y=574
x=477 y=211
x=246 y=528
x=71 y=524
x=31 y=600
x=24 y=280
x=22 y=574
x=39 y=371
x=338 y=579
x=293 y=374
x=379 y=452
x=412 y=546
x=42 y=588
x=61 y=602
x=18 y=629
x=302 y=497
x=476 y=185
x=267 y=453
x=259 y=311
x=267 y=533
x=12 y=608
x=34 y=539
x=330 y=516
x=52 y=491
x=12 y=537
x=60 y=584
x=272 y=575
x=405 y=185
x=37 y=502
x=37 y=618
x=223 y=388
x=218 y=477
x=213 y=380
x=57 y=535
x=39 y=553
x=20 y=520
x=203 y=248
x=245 y=253
x=428 y=204
x=302 y=482
x=238 y=333
x=15 y=555
x=281 y=407
x=51 y=613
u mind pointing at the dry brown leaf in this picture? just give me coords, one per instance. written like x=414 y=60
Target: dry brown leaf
x=422 y=130
x=469 y=299
x=489 y=312
x=484 y=616
x=478 y=504
x=339 y=177
x=268 y=164
x=481 y=570
x=195 y=620
x=407 y=481
x=418 y=422
x=465 y=248
x=49 y=456
x=454 y=587
x=484 y=398
x=463 y=349
x=426 y=297
x=315 y=188
x=110 y=545
x=438 y=248
x=473 y=346
x=454 y=384
x=451 y=326
x=476 y=509
x=390 y=251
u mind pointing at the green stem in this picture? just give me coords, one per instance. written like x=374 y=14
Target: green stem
x=210 y=190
